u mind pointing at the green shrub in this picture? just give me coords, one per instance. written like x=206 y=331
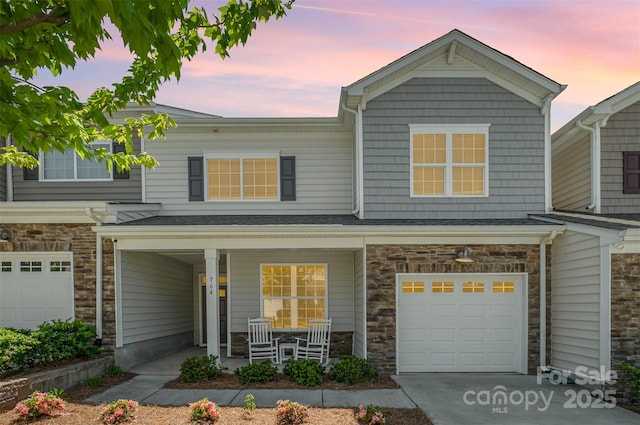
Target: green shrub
x=352 y=370
x=634 y=375
x=66 y=340
x=304 y=372
x=18 y=350
x=194 y=369
x=94 y=382
x=256 y=372
x=114 y=371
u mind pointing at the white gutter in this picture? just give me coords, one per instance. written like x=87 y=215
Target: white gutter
x=595 y=165
x=358 y=153
x=543 y=298
x=9 y=174
x=93 y=216
x=143 y=175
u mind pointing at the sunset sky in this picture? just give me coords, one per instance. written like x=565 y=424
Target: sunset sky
x=296 y=66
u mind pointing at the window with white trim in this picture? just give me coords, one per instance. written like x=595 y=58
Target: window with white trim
x=291 y=295
x=68 y=166
x=449 y=160
x=238 y=177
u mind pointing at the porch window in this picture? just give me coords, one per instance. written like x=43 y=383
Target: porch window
x=293 y=294
x=449 y=160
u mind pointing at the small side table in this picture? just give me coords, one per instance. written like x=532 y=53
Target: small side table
x=287 y=346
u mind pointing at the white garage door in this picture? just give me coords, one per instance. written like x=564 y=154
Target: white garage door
x=35 y=287
x=461 y=323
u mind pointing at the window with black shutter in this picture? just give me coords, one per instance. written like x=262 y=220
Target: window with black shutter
x=196 y=178
x=631 y=172
x=288 y=178
x=117 y=148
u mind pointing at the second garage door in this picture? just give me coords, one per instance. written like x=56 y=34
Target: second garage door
x=461 y=323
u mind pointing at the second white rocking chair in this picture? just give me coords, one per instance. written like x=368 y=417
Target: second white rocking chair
x=316 y=345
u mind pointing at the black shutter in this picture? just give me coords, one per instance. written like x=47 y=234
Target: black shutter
x=631 y=172
x=288 y=178
x=117 y=148
x=196 y=178
x=31 y=173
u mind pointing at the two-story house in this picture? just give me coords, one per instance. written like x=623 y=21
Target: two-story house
x=406 y=218
x=596 y=261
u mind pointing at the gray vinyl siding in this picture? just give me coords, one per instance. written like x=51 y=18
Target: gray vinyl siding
x=245 y=283
x=157 y=297
x=516 y=149
x=117 y=190
x=3 y=183
x=575 y=301
x=622 y=133
x=324 y=170
x=571 y=171
x=359 y=307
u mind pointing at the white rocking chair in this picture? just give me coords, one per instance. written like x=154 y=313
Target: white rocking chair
x=316 y=345
x=262 y=345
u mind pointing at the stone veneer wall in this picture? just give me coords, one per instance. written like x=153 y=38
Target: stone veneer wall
x=81 y=241
x=625 y=317
x=384 y=261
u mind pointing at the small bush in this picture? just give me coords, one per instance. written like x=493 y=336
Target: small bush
x=634 y=375
x=256 y=372
x=371 y=415
x=18 y=350
x=119 y=412
x=290 y=412
x=94 y=382
x=66 y=340
x=114 y=371
x=352 y=370
x=195 y=369
x=304 y=372
x=39 y=404
x=204 y=412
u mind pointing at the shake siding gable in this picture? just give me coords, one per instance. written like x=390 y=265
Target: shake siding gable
x=571 y=171
x=516 y=149
x=621 y=134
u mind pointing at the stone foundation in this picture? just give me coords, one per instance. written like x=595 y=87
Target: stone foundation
x=625 y=319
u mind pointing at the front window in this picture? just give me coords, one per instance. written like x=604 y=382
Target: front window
x=242 y=178
x=449 y=160
x=293 y=294
x=68 y=165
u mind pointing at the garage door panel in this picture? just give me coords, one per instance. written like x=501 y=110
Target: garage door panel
x=472 y=330
x=477 y=335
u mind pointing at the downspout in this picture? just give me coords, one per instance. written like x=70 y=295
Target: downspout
x=595 y=165
x=9 y=174
x=143 y=174
x=543 y=299
x=95 y=218
x=358 y=156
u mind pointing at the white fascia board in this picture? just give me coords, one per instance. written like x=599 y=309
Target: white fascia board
x=54 y=212
x=619 y=101
x=321 y=232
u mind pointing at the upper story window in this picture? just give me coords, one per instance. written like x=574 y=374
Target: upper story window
x=68 y=165
x=631 y=172
x=449 y=160
x=248 y=178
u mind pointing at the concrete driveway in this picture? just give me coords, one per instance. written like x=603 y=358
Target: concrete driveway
x=510 y=399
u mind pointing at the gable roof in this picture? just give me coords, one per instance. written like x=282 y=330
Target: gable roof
x=599 y=112
x=454 y=54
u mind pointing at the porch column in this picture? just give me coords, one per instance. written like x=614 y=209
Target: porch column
x=213 y=315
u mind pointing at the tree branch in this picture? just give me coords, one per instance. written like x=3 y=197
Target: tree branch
x=49 y=18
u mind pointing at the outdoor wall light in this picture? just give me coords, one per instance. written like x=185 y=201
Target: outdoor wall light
x=463 y=257
x=5 y=236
